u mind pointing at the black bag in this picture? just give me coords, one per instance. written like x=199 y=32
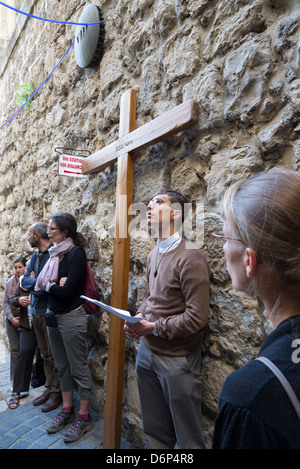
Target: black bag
x=50 y=319
x=91 y=288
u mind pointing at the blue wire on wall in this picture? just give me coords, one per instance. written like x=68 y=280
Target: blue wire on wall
x=45 y=19
x=38 y=87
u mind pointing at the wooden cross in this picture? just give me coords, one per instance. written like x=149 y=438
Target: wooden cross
x=123 y=150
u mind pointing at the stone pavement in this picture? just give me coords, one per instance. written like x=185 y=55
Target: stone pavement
x=24 y=427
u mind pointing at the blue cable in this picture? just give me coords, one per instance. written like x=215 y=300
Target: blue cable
x=38 y=87
x=44 y=19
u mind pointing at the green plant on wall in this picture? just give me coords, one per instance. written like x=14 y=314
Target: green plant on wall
x=24 y=92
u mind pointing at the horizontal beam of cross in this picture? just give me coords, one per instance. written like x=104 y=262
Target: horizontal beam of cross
x=162 y=127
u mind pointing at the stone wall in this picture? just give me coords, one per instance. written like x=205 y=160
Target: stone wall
x=240 y=59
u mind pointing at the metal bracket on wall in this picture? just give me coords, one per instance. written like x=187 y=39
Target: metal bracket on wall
x=72 y=150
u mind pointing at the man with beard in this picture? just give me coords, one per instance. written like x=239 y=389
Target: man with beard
x=38 y=237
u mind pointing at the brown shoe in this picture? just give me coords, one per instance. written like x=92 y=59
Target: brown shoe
x=42 y=399
x=53 y=402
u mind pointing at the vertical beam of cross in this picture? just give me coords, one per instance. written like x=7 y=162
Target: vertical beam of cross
x=120 y=279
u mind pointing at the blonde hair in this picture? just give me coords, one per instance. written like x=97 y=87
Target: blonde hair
x=264 y=212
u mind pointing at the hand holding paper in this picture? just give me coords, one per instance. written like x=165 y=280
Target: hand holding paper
x=121 y=313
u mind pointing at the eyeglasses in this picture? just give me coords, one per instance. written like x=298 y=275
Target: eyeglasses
x=235 y=239
x=50 y=228
x=226 y=237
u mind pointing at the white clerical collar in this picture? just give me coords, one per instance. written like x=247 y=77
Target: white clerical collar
x=170 y=243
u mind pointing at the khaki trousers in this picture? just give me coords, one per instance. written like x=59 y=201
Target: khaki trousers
x=170 y=396
x=70 y=350
x=51 y=373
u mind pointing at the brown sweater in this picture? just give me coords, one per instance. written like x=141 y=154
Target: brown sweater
x=177 y=299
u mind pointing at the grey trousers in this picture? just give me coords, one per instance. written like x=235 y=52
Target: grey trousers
x=170 y=396
x=69 y=347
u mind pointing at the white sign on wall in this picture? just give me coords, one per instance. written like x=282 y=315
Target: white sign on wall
x=70 y=165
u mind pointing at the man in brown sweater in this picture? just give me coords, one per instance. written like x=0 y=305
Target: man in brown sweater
x=175 y=309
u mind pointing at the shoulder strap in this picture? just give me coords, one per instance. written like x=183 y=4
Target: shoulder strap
x=61 y=258
x=288 y=388
x=71 y=252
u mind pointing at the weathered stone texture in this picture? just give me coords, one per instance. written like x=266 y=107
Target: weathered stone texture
x=239 y=59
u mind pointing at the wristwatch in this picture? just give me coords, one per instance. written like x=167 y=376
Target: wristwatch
x=154 y=332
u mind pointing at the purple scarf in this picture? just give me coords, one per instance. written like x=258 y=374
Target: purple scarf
x=49 y=274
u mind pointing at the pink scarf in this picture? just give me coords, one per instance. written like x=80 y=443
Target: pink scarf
x=49 y=274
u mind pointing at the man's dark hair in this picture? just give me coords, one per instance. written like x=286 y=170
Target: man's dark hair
x=41 y=228
x=175 y=198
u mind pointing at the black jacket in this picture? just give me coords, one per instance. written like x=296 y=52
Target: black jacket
x=254 y=410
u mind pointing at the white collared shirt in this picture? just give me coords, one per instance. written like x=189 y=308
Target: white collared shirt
x=170 y=243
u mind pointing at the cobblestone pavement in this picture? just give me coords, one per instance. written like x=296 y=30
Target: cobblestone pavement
x=24 y=427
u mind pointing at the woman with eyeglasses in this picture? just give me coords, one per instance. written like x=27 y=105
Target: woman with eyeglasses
x=259 y=404
x=66 y=320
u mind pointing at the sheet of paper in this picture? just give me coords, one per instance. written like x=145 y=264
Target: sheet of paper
x=121 y=313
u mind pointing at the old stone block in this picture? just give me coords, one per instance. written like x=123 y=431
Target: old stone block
x=230 y=166
x=207 y=88
x=181 y=54
x=246 y=74
x=233 y=23
x=164 y=18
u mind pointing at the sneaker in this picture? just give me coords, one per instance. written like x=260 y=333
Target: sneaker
x=62 y=419
x=80 y=427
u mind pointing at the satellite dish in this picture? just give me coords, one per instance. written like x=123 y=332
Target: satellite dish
x=89 y=38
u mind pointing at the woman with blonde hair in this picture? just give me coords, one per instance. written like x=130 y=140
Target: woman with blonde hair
x=259 y=405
